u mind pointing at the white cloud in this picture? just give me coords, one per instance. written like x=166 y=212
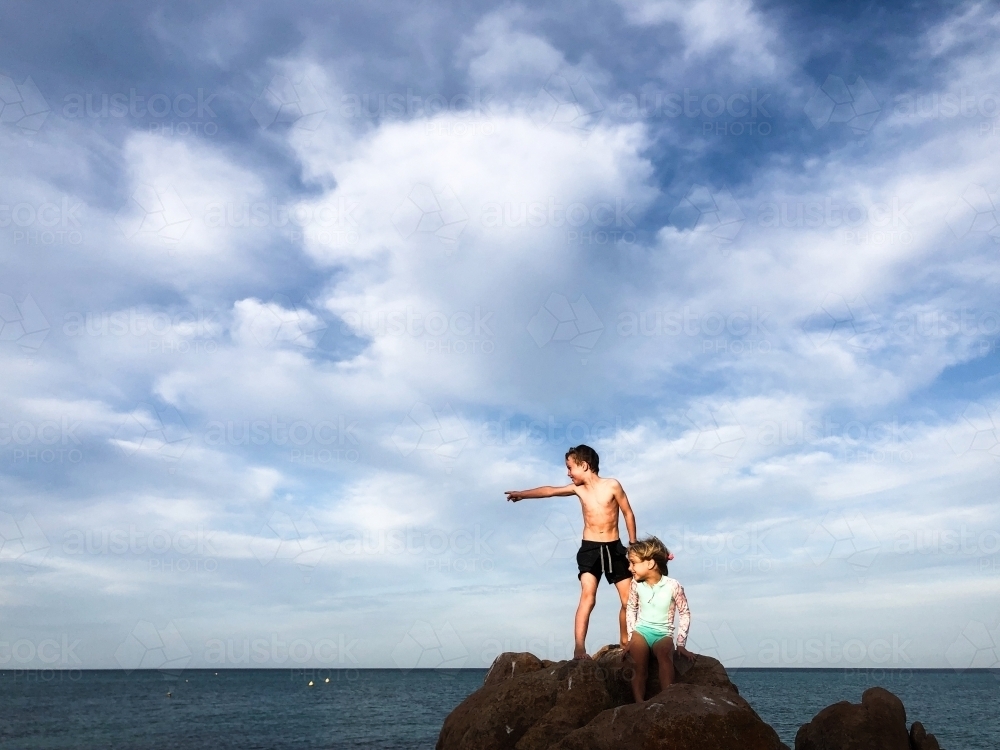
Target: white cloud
x=437 y=231
x=733 y=27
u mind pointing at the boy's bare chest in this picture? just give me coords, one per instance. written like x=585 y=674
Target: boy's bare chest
x=597 y=502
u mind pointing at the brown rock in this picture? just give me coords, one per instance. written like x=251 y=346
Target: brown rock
x=920 y=740
x=682 y=717
x=509 y=665
x=529 y=705
x=582 y=694
x=703 y=670
x=496 y=716
x=879 y=721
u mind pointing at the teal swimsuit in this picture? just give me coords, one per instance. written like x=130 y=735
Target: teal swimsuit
x=657 y=605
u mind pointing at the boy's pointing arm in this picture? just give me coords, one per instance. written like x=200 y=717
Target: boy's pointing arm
x=515 y=495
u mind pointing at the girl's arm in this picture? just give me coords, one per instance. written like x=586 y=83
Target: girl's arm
x=631 y=609
x=515 y=495
x=680 y=599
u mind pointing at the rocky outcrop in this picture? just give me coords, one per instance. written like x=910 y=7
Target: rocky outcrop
x=682 y=717
x=879 y=721
x=920 y=740
x=527 y=704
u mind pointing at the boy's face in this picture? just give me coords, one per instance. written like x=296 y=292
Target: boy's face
x=577 y=472
x=640 y=569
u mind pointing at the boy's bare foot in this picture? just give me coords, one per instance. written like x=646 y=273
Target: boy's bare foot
x=580 y=654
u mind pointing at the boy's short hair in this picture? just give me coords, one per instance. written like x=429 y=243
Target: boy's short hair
x=584 y=454
x=651 y=548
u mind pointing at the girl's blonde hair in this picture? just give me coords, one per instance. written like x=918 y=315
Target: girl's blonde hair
x=651 y=548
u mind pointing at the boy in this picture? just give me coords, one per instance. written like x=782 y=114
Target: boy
x=601 y=550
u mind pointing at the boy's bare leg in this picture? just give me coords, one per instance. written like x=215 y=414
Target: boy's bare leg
x=639 y=651
x=624 y=588
x=588 y=597
x=664 y=650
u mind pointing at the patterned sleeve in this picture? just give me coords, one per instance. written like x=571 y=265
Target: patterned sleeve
x=632 y=609
x=680 y=599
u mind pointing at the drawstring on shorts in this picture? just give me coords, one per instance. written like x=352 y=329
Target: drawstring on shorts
x=611 y=566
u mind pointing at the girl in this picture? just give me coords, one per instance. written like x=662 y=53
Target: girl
x=653 y=600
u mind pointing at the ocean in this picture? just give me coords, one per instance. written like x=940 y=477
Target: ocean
x=390 y=709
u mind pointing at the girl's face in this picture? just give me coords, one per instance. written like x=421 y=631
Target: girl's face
x=641 y=569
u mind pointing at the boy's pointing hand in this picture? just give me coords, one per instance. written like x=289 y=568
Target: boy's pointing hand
x=514 y=495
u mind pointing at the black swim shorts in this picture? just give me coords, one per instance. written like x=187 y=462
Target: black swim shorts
x=609 y=558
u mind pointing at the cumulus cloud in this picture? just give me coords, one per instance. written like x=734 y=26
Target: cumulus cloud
x=325 y=342
x=734 y=27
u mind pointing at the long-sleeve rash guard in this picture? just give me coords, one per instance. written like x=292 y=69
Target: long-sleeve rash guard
x=656 y=606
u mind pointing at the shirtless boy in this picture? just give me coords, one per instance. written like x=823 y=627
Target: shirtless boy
x=601 y=550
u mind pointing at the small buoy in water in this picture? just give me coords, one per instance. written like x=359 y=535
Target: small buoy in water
x=327 y=679
x=185 y=680
x=310 y=683
x=169 y=694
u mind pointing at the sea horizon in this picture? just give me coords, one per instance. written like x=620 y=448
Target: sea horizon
x=400 y=709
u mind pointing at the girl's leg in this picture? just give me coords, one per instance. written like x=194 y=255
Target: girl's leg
x=664 y=650
x=638 y=649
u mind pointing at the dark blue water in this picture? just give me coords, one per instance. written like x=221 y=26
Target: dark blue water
x=962 y=710
x=388 y=709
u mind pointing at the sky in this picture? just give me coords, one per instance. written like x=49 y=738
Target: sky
x=291 y=294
